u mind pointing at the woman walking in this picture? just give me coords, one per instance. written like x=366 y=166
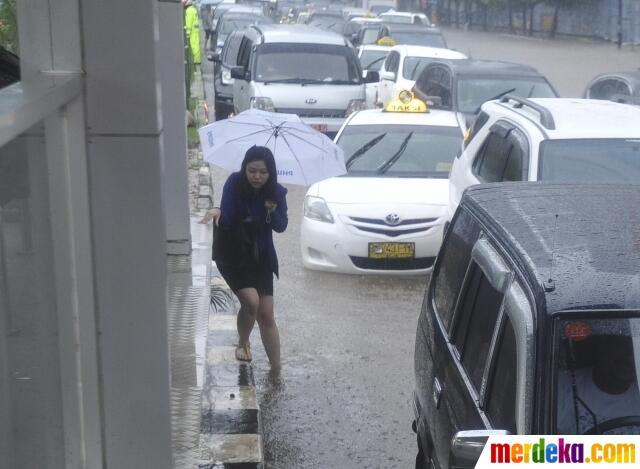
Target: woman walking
x=253 y=206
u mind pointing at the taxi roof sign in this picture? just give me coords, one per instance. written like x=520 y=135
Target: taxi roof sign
x=406 y=102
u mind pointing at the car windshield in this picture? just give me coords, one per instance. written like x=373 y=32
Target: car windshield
x=399 y=150
x=590 y=160
x=299 y=63
x=472 y=92
x=415 y=38
x=413 y=66
x=372 y=59
x=597 y=362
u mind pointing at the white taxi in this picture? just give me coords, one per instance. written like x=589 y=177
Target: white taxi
x=386 y=214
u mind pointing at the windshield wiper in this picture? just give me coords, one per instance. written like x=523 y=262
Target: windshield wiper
x=304 y=82
x=498 y=96
x=363 y=149
x=531 y=91
x=282 y=80
x=384 y=167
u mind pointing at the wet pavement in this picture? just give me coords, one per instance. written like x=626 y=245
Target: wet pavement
x=343 y=398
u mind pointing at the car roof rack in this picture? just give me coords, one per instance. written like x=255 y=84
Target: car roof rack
x=546 y=118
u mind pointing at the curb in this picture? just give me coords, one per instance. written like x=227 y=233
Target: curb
x=205 y=188
x=230 y=428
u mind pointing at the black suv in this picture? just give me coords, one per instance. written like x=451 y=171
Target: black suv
x=463 y=85
x=531 y=320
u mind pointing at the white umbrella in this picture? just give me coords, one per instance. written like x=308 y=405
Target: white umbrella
x=303 y=155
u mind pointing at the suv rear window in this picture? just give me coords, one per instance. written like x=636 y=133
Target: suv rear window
x=597 y=376
x=590 y=160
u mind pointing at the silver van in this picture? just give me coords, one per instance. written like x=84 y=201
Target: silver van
x=302 y=70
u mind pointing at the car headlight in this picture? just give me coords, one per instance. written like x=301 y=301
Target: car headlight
x=355 y=105
x=262 y=103
x=315 y=208
x=226 y=77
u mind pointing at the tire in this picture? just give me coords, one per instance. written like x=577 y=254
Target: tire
x=221 y=111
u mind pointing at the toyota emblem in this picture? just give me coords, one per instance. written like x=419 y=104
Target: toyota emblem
x=392 y=219
x=311 y=100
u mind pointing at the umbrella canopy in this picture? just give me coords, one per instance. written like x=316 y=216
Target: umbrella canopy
x=303 y=155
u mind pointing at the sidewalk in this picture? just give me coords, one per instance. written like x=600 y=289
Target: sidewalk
x=215 y=414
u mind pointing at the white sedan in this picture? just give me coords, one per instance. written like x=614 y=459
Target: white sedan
x=387 y=214
x=403 y=65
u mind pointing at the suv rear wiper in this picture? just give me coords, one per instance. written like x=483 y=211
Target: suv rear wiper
x=498 y=96
x=373 y=62
x=363 y=149
x=384 y=167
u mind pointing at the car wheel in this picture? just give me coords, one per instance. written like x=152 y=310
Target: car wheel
x=221 y=112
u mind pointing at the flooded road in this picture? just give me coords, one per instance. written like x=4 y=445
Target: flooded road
x=343 y=399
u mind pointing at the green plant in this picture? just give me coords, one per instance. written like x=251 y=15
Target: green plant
x=193 y=139
x=8 y=26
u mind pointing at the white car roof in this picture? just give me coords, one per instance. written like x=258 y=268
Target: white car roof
x=423 y=51
x=365 y=19
x=379 y=117
x=375 y=47
x=580 y=118
x=397 y=13
x=300 y=33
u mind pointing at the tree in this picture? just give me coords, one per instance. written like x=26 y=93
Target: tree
x=8 y=26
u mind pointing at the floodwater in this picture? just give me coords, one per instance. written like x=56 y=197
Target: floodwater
x=343 y=399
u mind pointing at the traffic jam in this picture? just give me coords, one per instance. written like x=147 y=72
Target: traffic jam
x=520 y=208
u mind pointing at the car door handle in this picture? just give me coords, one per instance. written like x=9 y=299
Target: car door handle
x=437 y=392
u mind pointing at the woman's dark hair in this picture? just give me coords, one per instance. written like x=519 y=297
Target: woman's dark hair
x=268 y=191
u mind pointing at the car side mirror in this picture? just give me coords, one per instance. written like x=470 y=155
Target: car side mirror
x=238 y=73
x=371 y=76
x=387 y=76
x=466 y=447
x=213 y=57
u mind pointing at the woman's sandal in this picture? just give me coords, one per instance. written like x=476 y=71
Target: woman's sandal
x=243 y=353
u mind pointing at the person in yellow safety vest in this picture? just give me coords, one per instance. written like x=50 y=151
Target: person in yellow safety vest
x=192 y=29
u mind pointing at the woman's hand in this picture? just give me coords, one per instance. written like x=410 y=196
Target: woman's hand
x=270 y=205
x=213 y=214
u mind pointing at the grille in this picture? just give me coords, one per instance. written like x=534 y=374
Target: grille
x=377 y=221
x=392 y=264
x=392 y=233
x=327 y=113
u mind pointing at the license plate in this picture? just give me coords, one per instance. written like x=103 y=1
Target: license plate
x=320 y=127
x=391 y=250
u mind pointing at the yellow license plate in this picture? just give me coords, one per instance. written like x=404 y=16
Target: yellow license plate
x=320 y=127
x=391 y=250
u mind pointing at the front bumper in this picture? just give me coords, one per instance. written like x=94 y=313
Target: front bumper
x=329 y=125
x=336 y=247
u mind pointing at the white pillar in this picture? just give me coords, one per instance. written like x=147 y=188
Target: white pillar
x=125 y=136
x=174 y=135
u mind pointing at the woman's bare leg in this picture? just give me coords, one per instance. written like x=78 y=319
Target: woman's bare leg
x=269 y=330
x=249 y=304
